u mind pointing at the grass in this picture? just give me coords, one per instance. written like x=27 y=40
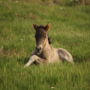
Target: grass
x=70 y=30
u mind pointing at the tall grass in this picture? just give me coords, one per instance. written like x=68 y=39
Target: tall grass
x=70 y=30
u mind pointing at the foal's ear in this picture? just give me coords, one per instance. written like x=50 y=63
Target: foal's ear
x=35 y=26
x=47 y=27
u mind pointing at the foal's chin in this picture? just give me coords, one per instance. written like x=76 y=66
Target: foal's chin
x=39 y=52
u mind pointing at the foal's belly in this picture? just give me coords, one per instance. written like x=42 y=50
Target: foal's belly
x=54 y=57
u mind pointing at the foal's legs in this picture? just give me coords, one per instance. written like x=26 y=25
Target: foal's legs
x=65 y=55
x=34 y=58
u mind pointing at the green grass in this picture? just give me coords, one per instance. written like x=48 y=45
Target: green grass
x=70 y=30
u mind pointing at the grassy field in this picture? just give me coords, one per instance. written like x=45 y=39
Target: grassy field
x=70 y=30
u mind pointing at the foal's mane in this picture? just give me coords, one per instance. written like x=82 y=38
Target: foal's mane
x=49 y=40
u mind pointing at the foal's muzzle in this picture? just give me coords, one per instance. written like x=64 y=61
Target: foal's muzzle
x=38 y=49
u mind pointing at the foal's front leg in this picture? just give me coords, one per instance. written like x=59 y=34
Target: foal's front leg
x=34 y=58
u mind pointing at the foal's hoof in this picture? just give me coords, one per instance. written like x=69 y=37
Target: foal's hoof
x=25 y=66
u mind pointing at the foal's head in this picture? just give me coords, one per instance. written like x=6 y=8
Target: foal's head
x=41 y=37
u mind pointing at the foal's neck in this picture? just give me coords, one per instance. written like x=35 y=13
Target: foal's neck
x=46 y=50
x=47 y=46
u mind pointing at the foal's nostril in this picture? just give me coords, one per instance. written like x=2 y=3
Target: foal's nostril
x=38 y=49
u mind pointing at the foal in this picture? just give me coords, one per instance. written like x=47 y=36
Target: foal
x=44 y=52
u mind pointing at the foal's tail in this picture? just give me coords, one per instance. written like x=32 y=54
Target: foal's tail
x=65 y=55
